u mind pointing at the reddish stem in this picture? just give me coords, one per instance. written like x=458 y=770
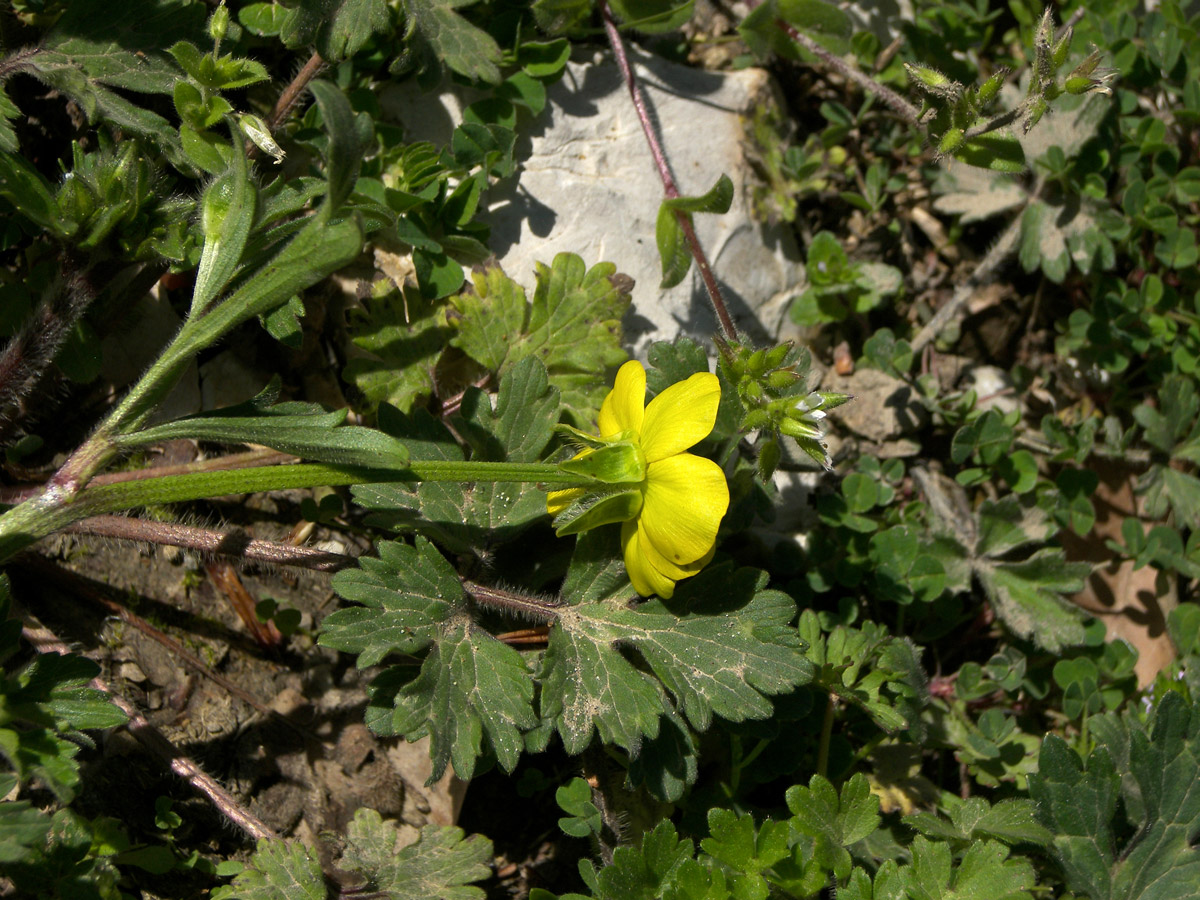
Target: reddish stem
x=154 y=741
x=664 y=171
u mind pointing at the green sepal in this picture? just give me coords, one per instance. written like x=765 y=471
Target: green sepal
x=620 y=462
x=614 y=508
x=579 y=437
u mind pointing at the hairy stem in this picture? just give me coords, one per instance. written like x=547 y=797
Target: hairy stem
x=158 y=745
x=56 y=508
x=664 y=171
x=894 y=101
x=32 y=349
x=292 y=93
x=541 y=608
x=236 y=544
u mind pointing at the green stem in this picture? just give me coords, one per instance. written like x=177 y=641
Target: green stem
x=826 y=737
x=56 y=508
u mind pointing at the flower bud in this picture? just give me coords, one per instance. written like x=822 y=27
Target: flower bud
x=951 y=140
x=781 y=379
x=776 y=355
x=257 y=131
x=218 y=23
x=990 y=88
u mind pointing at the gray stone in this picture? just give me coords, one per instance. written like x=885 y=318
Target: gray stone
x=588 y=185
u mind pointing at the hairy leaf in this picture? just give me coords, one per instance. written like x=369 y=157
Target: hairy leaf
x=1155 y=769
x=405 y=335
x=984 y=873
x=1027 y=593
x=470 y=685
x=278 y=870
x=302 y=429
x=348 y=29
x=747 y=850
x=123 y=45
x=572 y=326
x=440 y=866
x=867 y=667
x=226 y=213
x=465 y=48
x=709 y=660
x=1012 y=821
x=834 y=822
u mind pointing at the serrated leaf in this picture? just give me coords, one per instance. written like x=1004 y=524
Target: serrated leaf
x=1027 y=593
x=736 y=841
x=710 y=662
x=834 y=822
x=747 y=850
x=573 y=325
x=646 y=872
x=974 y=194
x=984 y=873
x=1157 y=775
x=1011 y=821
x=405 y=335
x=868 y=668
x=470 y=685
x=575 y=798
x=350 y=26
x=1028 y=596
x=277 y=871
x=465 y=48
x=440 y=865
x=122 y=45
x=406 y=593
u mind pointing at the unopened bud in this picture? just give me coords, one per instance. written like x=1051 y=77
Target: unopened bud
x=1062 y=48
x=990 y=88
x=257 y=131
x=781 y=379
x=951 y=140
x=776 y=355
x=218 y=23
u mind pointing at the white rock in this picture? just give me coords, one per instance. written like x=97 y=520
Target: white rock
x=588 y=185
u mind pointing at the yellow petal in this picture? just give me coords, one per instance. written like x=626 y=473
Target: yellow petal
x=680 y=416
x=557 y=501
x=686 y=497
x=625 y=404
x=646 y=579
x=664 y=566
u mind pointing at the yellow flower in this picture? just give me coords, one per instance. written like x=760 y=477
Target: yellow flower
x=671 y=533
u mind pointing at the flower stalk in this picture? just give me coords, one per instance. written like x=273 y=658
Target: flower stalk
x=55 y=508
